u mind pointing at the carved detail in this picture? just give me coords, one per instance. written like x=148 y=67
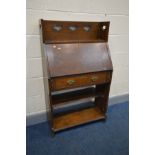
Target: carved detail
x=72 y=28
x=87 y=28
x=57 y=27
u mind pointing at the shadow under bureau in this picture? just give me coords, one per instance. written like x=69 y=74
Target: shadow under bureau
x=79 y=69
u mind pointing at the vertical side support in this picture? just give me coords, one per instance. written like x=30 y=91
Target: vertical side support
x=47 y=84
x=50 y=115
x=103 y=89
x=102 y=101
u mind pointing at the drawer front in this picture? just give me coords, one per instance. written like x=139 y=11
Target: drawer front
x=80 y=80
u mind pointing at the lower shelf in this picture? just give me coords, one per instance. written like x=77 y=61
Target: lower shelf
x=77 y=118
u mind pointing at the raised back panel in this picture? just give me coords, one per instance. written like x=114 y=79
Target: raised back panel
x=72 y=32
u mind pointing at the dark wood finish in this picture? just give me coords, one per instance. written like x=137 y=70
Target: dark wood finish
x=98 y=31
x=80 y=80
x=77 y=118
x=101 y=101
x=78 y=58
x=77 y=55
x=64 y=98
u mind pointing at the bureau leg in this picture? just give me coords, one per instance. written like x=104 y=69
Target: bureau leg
x=50 y=111
x=52 y=134
x=105 y=118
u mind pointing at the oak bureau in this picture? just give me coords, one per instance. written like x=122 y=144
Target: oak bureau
x=79 y=69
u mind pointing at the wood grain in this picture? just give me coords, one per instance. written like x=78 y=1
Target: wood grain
x=80 y=80
x=77 y=55
x=64 y=98
x=78 y=58
x=96 y=32
x=77 y=118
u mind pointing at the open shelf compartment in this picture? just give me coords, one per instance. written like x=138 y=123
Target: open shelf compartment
x=75 y=118
x=61 y=99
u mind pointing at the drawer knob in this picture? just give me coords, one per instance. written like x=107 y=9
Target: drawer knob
x=94 y=78
x=71 y=82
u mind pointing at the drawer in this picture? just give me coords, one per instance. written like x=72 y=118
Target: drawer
x=80 y=80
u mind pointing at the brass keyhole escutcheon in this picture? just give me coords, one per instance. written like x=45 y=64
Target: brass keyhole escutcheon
x=71 y=82
x=94 y=78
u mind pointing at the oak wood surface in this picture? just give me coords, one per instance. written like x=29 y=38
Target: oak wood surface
x=63 y=33
x=76 y=118
x=78 y=58
x=77 y=55
x=64 y=98
x=80 y=80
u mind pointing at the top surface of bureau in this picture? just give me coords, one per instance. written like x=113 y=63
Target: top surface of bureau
x=77 y=58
